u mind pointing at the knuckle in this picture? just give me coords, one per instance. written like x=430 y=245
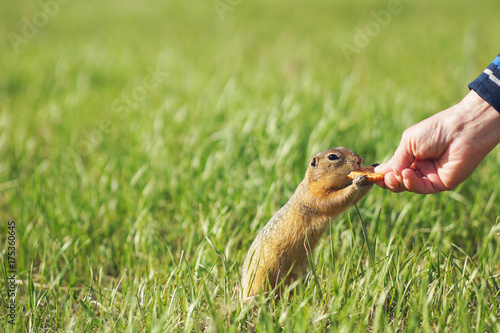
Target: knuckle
x=407 y=133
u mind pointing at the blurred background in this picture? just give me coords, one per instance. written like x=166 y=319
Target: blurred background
x=131 y=132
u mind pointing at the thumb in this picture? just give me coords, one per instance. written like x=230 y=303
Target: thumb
x=402 y=159
x=404 y=156
x=383 y=168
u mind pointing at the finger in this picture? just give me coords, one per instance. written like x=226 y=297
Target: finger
x=429 y=176
x=417 y=184
x=403 y=158
x=392 y=183
x=404 y=155
x=381 y=184
x=398 y=172
x=390 y=166
x=383 y=168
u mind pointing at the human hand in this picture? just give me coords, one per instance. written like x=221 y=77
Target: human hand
x=442 y=151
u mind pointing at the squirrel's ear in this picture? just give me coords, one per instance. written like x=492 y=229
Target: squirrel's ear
x=314 y=162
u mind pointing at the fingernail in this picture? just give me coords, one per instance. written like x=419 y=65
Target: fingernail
x=381 y=168
x=390 y=181
x=397 y=175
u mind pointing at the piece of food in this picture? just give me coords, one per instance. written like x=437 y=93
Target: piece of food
x=372 y=176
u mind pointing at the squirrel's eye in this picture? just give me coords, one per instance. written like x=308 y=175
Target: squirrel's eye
x=333 y=157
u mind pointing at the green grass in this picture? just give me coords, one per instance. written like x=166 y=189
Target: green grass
x=136 y=216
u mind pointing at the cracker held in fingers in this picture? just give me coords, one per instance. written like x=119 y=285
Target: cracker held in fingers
x=368 y=171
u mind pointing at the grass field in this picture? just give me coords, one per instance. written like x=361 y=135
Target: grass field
x=144 y=145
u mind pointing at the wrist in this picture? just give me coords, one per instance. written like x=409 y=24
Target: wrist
x=476 y=106
x=480 y=122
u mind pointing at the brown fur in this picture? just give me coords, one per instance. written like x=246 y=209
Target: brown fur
x=280 y=250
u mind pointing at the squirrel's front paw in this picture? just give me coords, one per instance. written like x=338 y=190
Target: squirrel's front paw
x=361 y=181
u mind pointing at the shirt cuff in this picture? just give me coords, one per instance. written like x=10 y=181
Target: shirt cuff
x=487 y=85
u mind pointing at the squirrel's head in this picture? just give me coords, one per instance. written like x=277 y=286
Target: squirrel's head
x=329 y=169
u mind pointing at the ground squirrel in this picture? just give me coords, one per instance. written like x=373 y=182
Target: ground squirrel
x=280 y=250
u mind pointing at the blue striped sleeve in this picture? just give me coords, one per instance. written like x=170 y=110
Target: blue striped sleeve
x=487 y=85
